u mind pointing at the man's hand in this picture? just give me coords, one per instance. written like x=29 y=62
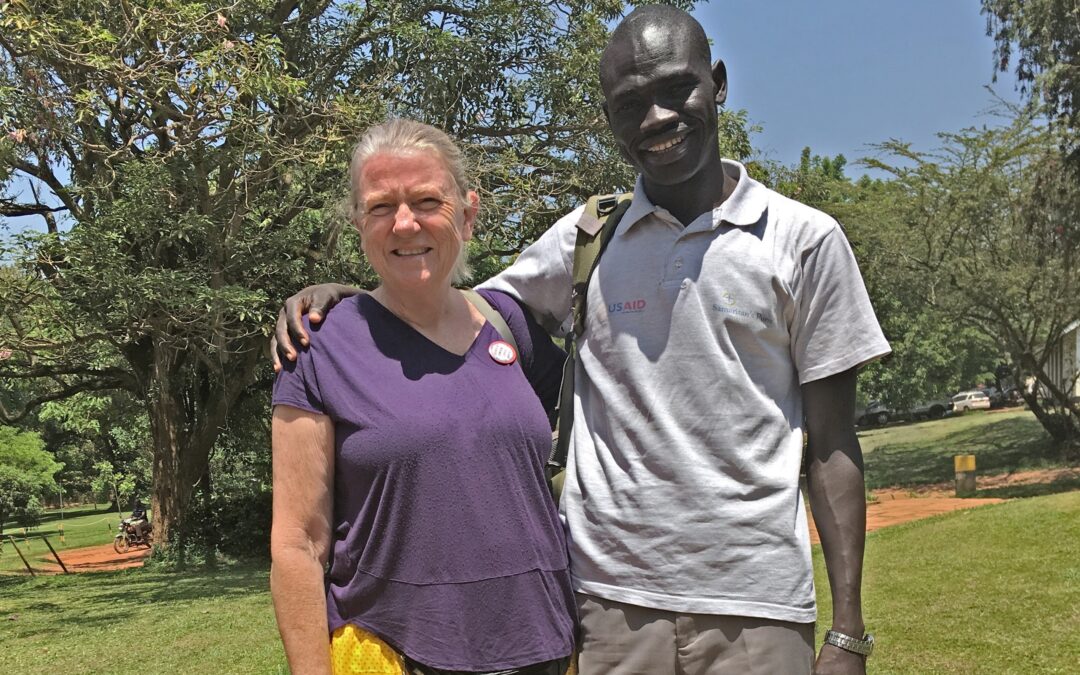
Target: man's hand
x=832 y=660
x=315 y=301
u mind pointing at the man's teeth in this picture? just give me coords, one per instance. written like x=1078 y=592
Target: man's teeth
x=666 y=145
x=411 y=251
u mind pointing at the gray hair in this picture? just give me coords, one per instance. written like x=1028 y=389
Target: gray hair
x=402 y=136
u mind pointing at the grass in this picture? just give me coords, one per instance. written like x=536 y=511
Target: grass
x=990 y=590
x=83 y=526
x=994 y=589
x=921 y=453
x=140 y=621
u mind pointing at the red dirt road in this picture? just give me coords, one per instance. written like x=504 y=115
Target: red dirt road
x=89 y=559
x=900 y=505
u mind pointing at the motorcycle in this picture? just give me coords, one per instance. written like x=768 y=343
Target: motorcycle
x=128 y=536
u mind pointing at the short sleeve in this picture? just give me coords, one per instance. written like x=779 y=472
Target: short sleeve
x=834 y=328
x=296 y=384
x=541 y=278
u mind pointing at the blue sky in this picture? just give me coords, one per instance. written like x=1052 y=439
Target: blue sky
x=838 y=75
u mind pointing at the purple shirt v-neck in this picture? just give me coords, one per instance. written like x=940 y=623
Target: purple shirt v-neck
x=446 y=542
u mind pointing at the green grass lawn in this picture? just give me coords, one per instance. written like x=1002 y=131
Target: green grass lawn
x=83 y=526
x=991 y=590
x=140 y=621
x=921 y=453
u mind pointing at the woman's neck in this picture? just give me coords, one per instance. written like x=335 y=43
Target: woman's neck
x=445 y=317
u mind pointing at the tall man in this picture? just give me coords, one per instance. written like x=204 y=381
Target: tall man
x=723 y=320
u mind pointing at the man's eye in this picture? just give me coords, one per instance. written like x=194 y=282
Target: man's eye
x=626 y=106
x=380 y=210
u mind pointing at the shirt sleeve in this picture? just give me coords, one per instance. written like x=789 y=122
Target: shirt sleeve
x=541 y=358
x=834 y=328
x=296 y=384
x=541 y=278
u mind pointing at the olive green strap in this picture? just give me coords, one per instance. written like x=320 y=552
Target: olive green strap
x=598 y=223
x=492 y=315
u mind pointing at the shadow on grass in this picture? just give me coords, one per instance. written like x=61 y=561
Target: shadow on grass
x=1000 y=446
x=1031 y=490
x=102 y=599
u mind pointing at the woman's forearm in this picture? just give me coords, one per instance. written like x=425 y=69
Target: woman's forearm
x=296 y=586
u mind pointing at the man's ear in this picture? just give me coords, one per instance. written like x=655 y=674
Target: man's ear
x=719 y=78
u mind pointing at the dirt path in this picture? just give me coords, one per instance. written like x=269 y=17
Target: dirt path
x=894 y=506
x=90 y=559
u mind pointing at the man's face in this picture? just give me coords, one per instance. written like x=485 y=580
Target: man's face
x=661 y=104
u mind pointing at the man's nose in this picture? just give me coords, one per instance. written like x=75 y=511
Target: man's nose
x=405 y=220
x=658 y=117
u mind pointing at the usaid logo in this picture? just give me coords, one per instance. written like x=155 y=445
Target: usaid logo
x=628 y=307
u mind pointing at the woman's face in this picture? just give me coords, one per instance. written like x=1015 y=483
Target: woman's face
x=411 y=220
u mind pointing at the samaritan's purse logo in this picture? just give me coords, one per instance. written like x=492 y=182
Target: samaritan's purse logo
x=627 y=307
x=728 y=305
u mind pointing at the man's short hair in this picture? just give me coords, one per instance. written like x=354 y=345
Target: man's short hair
x=661 y=15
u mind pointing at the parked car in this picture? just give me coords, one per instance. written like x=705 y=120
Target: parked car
x=930 y=410
x=875 y=412
x=969 y=400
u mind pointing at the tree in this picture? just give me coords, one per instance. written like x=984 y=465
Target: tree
x=26 y=474
x=985 y=232
x=1045 y=36
x=197 y=155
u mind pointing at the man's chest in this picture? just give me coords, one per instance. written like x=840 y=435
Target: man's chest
x=659 y=289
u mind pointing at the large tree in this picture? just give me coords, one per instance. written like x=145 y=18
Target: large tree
x=985 y=233
x=188 y=159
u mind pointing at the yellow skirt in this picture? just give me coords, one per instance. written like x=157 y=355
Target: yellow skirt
x=354 y=651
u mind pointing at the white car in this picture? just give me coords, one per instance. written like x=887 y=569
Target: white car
x=969 y=400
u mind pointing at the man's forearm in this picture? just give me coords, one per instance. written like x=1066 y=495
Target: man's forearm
x=838 y=502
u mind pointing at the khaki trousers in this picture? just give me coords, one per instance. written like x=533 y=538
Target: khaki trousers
x=621 y=639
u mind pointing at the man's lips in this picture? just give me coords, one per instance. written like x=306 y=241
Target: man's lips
x=664 y=142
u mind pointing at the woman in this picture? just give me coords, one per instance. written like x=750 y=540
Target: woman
x=408 y=451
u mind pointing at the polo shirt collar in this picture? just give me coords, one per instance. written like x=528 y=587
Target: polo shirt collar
x=742 y=209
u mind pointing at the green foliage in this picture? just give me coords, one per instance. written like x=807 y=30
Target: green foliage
x=198 y=156
x=983 y=233
x=26 y=476
x=1044 y=35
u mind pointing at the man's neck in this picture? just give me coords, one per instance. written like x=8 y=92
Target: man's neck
x=708 y=189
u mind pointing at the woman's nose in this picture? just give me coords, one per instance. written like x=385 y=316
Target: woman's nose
x=405 y=220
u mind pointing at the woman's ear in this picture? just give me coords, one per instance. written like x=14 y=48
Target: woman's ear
x=472 y=208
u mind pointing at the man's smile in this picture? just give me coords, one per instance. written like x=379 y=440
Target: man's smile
x=664 y=144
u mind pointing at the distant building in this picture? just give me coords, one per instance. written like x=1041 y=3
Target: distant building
x=1063 y=364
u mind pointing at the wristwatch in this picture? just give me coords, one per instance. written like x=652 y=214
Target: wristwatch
x=850 y=644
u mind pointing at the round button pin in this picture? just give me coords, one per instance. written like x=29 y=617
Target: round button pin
x=502 y=352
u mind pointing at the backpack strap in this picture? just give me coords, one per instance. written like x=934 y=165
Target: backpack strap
x=492 y=315
x=595 y=229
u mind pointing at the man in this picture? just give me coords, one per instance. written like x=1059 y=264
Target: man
x=721 y=317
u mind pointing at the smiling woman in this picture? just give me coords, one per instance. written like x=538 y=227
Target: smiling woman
x=423 y=493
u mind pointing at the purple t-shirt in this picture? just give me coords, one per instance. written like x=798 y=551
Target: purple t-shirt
x=446 y=542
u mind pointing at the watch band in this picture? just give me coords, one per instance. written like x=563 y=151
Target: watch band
x=850 y=644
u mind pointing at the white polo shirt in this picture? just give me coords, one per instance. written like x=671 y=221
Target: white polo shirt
x=682 y=488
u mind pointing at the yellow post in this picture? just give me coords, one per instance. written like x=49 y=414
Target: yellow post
x=61 y=533
x=964 y=466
